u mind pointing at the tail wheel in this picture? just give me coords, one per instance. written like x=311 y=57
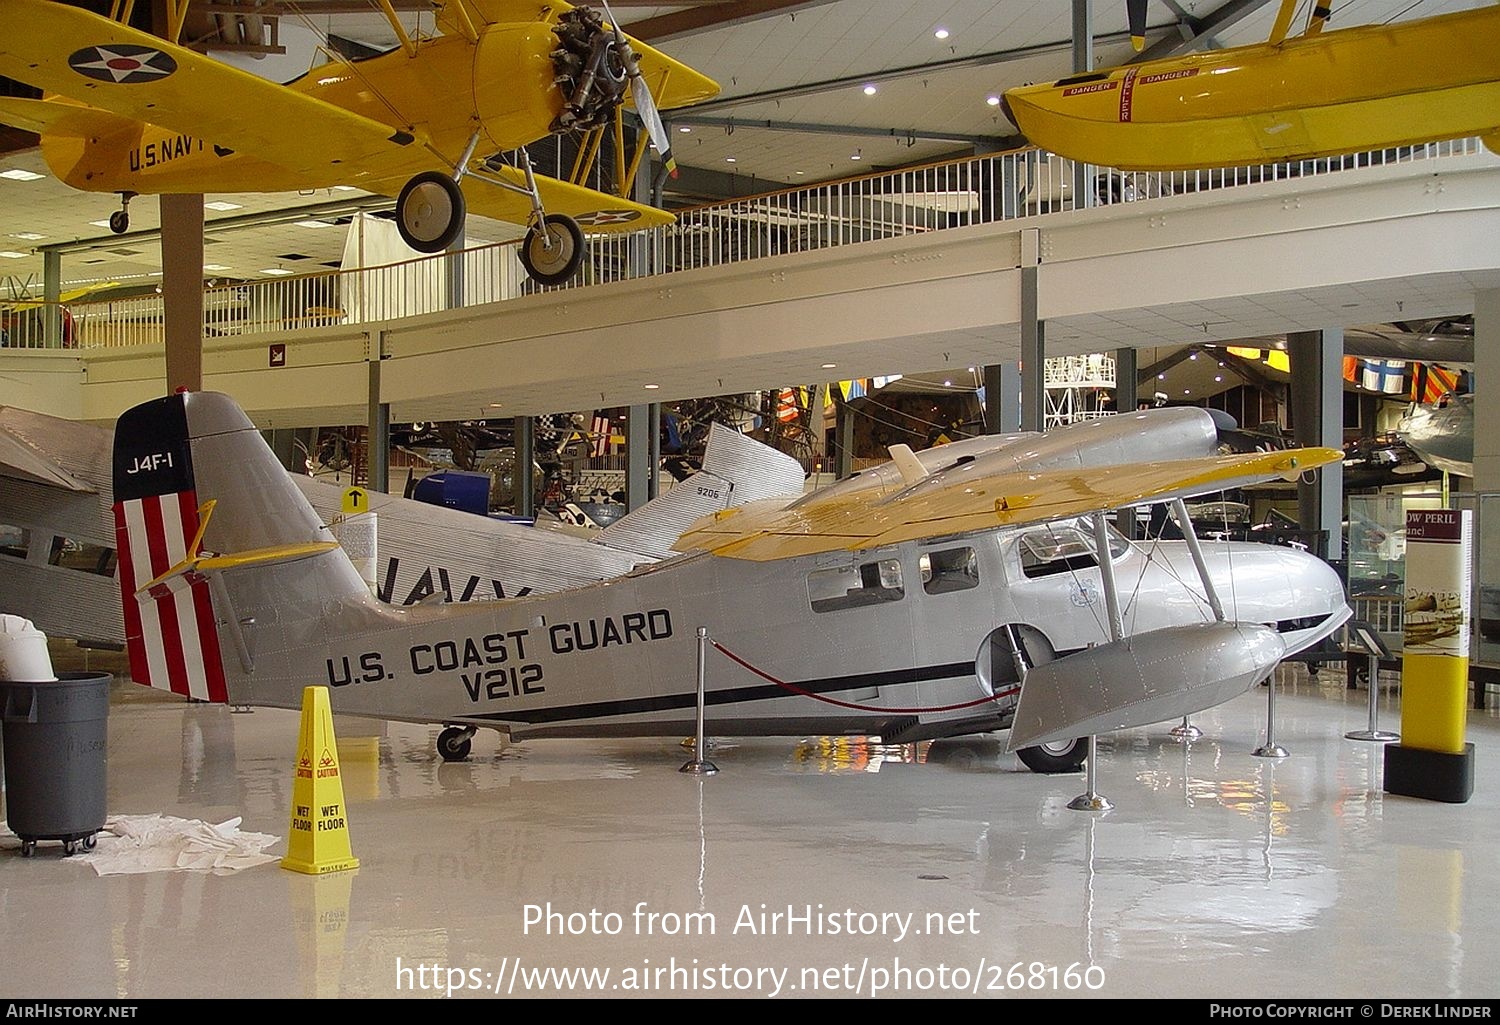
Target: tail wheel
x=454 y=743
x=430 y=212
x=1058 y=756
x=553 y=253
x=119 y=222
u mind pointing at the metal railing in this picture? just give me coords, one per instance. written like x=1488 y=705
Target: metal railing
x=977 y=190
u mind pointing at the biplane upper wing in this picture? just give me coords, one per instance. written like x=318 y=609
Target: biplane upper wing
x=136 y=75
x=673 y=84
x=762 y=534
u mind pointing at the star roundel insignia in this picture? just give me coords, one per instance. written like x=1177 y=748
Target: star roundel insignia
x=599 y=217
x=122 y=63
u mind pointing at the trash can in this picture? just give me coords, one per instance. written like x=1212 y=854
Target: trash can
x=55 y=735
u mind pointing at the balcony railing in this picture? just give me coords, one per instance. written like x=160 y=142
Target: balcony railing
x=979 y=190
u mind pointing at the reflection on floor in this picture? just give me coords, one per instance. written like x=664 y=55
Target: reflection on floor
x=806 y=867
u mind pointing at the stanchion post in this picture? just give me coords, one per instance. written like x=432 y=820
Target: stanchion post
x=1270 y=749
x=698 y=765
x=1373 y=732
x=1091 y=799
x=1186 y=731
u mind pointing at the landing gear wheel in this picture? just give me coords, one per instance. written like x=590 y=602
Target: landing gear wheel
x=559 y=263
x=89 y=842
x=28 y=848
x=454 y=743
x=119 y=222
x=1059 y=756
x=430 y=212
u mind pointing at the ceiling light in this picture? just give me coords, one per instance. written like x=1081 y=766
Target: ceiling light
x=729 y=160
x=858 y=154
x=993 y=101
x=941 y=33
x=1161 y=377
x=494 y=405
x=1187 y=391
x=801 y=172
x=11 y=254
x=829 y=366
x=1193 y=356
x=312 y=224
x=1218 y=377
x=870 y=90
x=276 y=272
x=685 y=130
x=652 y=387
x=214 y=266
x=947 y=384
x=29 y=236
x=17 y=174
x=221 y=205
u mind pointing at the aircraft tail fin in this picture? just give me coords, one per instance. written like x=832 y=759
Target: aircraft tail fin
x=736 y=470
x=176 y=460
x=907 y=464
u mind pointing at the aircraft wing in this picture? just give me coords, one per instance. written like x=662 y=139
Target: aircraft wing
x=135 y=75
x=673 y=84
x=762 y=533
x=23 y=459
x=61 y=116
x=594 y=211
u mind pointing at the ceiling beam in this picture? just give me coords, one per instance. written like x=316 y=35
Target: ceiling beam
x=978 y=60
x=1197 y=33
x=731 y=123
x=704 y=17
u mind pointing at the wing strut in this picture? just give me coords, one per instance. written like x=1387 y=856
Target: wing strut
x=1180 y=514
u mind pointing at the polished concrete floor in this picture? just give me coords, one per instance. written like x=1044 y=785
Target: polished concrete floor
x=1217 y=874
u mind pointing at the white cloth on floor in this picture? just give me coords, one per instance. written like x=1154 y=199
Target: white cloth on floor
x=162 y=843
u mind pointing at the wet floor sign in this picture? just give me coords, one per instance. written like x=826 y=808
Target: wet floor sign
x=318 y=841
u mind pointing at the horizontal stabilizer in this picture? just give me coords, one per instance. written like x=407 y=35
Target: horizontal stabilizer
x=1142 y=679
x=189 y=570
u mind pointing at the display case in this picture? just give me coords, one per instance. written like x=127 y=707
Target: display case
x=1376 y=549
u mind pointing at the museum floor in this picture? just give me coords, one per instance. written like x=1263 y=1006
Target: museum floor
x=1216 y=874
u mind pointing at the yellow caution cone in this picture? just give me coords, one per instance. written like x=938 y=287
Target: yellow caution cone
x=318 y=841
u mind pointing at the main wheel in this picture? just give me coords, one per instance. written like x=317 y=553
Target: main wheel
x=552 y=266
x=454 y=744
x=1058 y=756
x=430 y=212
x=119 y=222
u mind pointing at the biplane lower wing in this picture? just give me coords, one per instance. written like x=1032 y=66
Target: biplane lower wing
x=62 y=117
x=761 y=534
x=593 y=210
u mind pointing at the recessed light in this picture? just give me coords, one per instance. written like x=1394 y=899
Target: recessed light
x=1192 y=355
x=494 y=405
x=11 y=254
x=858 y=155
x=947 y=384
x=1187 y=391
x=729 y=160
x=1161 y=377
x=29 y=236
x=685 y=130
x=214 y=266
x=1218 y=377
x=993 y=101
x=221 y=205
x=941 y=33
x=276 y=272
x=652 y=387
x=870 y=90
x=801 y=172
x=312 y=224
x=830 y=366
x=17 y=174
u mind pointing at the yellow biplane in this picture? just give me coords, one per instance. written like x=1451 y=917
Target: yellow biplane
x=1316 y=94
x=430 y=123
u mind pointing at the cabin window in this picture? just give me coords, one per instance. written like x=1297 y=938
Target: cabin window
x=1062 y=549
x=953 y=569
x=14 y=541
x=852 y=587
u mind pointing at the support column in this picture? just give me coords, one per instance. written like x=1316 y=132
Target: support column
x=653 y=457
x=1127 y=376
x=1002 y=398
x=524 y=431
x=453 y=266
x=638 y=458
x=1317 y=394
x=51 y=293
x=1033 y=335
x=1083 y=60
x=843 y=441
x=182 y=289
x=1487 y=413
x=378 y=436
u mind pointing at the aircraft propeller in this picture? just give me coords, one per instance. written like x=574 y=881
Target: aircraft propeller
x=640 y=92
x=1135 y=12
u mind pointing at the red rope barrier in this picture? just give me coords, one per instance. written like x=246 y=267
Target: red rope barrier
x=793 y=688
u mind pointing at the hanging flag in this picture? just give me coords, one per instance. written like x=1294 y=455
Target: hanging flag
x=1351 y=369
x=786 y=405
x=599 y=431
x=1387 y=376
x=1433 y=382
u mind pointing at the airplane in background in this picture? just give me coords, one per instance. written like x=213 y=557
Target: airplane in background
x=962 y=592
x=430 y=123
x=57 y=538
x=1441 y=433
x=1313 y=95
